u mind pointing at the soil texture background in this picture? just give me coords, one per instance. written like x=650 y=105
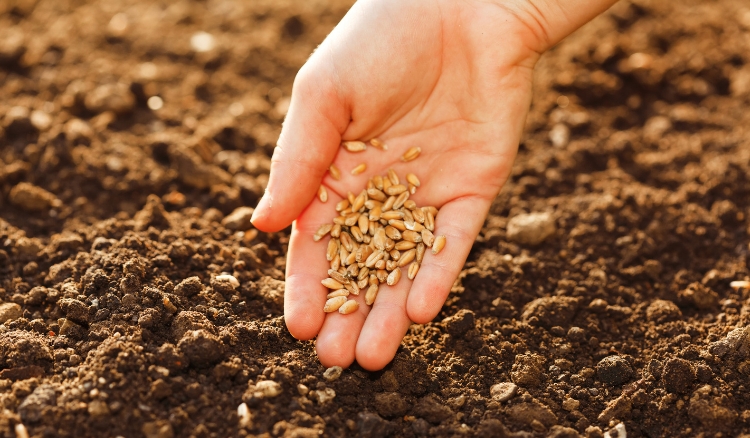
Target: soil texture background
x=134 y=135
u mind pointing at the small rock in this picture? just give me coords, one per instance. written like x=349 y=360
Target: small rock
x=153 y=214
x=78 y=132
x=12 y=46
x=503 y=391
x=551 y=311
x=655 y=127
x=699 y=296
x=570 y=404
x=678 y=376
x=160 y=389
x=158 y=429
x=323 y=396
x=333 y=373
x=19 y=348
x=9 y=312
x=40 y=120
x=31 y=408
x=266 y=389
x=737 y=342
x=193 y=171
x=598 y=305
x=74 y=310
x=390 y=404
x=614 y=370
x=530 y=412
x=239 y=219
x=32 y=198
x=201 y=348
x=17 y=121
x=559 y=135
x=110 y=97
x=558 y=431
x=98 y=408
x=709 y=411
x=527 y=369
x=531 y=229
x=661 y=311
x=189 y=287
x=460 y=323
x=202 y=42
x=577 y=334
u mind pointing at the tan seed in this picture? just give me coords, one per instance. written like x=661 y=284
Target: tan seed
x=333 y=249
x=382 y=275
x=395 y=254
x=381 y=264
x=375 y=213
x=395 y=189
x=362 y=283
x=351 y=197
x=351 y=219
x=364 y=273
x=334 y=304
x=341 y=278
x=390 y=215
x=336 y=230
x=346 y=241
x=405 y=245
x=429 y=221
x=420 y=252
x=427 y=237
x=322 y=231
x=322 y=194
x=413 y=180
x=397 y=224
x=389 y=244
x=413 y=269
x=376 y=194
x=418 y=215
x=351 y=258
x=379 y=239
x=393 y=233
x=411 y=236
x=373 y=278
x=363 y=223
x=400 y=200
x=386 y=183
x=407 y=257
x=352 y=287
x=371 y=294
x=371 y=203
x=339 y=220
x=357 y=233
x=414 y=226
x=393 y=177
x=377 y=180
x=336 y=262
x=348 y=307
x=432 y=210
x=352 y=271
x=359 y=169
x=330 y=283
x=338 y=293
x=411 y=154
x=412 y=189
x=354 y=146
x=391 y=265
x=374 y=258
x=388 y=204
x=439 y=244
x=410 y=204
x=369 y=185
x=334 y=172
x=375 y=142
x=359 y=201
x=394 y=277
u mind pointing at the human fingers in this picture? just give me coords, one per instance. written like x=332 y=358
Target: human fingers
x=308 y=143
x=460 y=221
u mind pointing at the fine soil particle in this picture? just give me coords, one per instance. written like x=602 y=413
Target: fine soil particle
x=136 y=299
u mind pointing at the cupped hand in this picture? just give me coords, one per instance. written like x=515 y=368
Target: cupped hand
x=452 y=77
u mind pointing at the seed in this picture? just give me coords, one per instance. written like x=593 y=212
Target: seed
x=322 y=194
x=341 y=278
x=346 y=241
x=411 y=236
x=427 y=237
x=412 y=179
x=333 y=249
x=322 y=231
x=363 y=223
x=359 y=169
x=339 y=220
x=393 y=214
x=739 y=284
x=351 y=219
x=418 y=214
x=336 y=230
x=392 y=177
x=438 y=245
x=335 y=172
x=351 y=271
x=352 y=287
x=373 y=279
x=394 y=277
x=374 y=258
x=395 y=189
x=413 y=269
x=375 y=213
x=330 y=283
x=420 y=252
x=357 y=233
x=414 y=226
x=371 y=294
x=377 y=180
x=400 y=200
x=389 y=244
x=412 y=189
x=386 y=183
x=338 y=293
x=371 y=203
x=336 y=262
x=359 y=201
x=376 y=194
x=333 y=304
x=351 y=258
x=382 y=275
x=354 y=146
x=407 y=257
x=362 y=283
x=379 y=144
x=429 y=221
x=391 y=265
x=350 y=306
x=364 y=273
x=350 y=197
x=411 y=154
x=397 y=224
x=392 y=233
x=379 y=239
x=395 y=254
x=380 y=264
x=432 y=210
x=404 y=245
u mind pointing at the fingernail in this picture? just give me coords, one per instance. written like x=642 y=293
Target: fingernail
x=263 y=208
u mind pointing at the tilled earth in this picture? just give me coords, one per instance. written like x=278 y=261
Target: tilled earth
x=608 y=311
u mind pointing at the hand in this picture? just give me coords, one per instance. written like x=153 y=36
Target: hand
x=450 y=76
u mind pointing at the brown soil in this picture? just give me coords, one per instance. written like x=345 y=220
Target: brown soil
x=637 y=144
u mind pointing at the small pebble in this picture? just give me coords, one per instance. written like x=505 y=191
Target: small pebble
x=531 y=229
x=333 y=373
x=570 y=404
x=503 y=391
x=9 y=312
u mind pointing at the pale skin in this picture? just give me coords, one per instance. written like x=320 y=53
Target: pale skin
x=453 y=77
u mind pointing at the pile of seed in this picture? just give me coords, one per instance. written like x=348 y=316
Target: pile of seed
x=377 y=233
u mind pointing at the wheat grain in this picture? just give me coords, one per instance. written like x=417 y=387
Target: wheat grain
x=411 y=154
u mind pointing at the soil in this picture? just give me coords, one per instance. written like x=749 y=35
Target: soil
x=612 y=312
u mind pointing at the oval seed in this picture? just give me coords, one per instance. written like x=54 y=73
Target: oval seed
x=373 y=279
x=411 y=154
x=334 y=172
x=348 y=307
x=363 y=223
x=338 y=293
x=357 y=233
x=371 y=294
x=364 y=273
x=382 y=275
x=330 y=283
x=407 y=257
x=396 y=189
x=334 y=304
x=338 y=276
x=412 y=189
x=381 y=264
x=375 y=213
x=394 y=277
x=405 y=245
x=395 y=254
x=352 y=287
x=393 y=214
x=439 y=244
x=379 y=239
x=427 y=237
x=346 y=241
x=376 y=195
x=391 y=265
x=429 y=221
x=388 y=204
x=322 y=231
x=354 y=146
x=420 y=252
x=413 y=269
x=400 y=200
x=389 y=244
x=336 y=230
x=393 y=177
x=410 y=204
x=412 y=179
x=322 y=194
x=336 y=262
x=376 y=142
x=374 y=258
x=362 y=283
x=418 y=215
x=397 y=224
x=411 y=236
x=351 y=219
x=333 y=249
x=359 y=201
x=359 y=169
x=378 y=181
x=393 y=233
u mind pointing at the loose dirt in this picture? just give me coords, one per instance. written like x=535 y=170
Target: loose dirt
x=610 y=304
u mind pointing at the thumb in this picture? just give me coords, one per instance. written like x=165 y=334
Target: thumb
x=307 y=145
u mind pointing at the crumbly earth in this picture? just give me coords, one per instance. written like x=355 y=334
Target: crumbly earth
x=115 y=219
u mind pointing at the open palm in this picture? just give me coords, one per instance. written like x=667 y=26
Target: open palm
x=452 y=77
